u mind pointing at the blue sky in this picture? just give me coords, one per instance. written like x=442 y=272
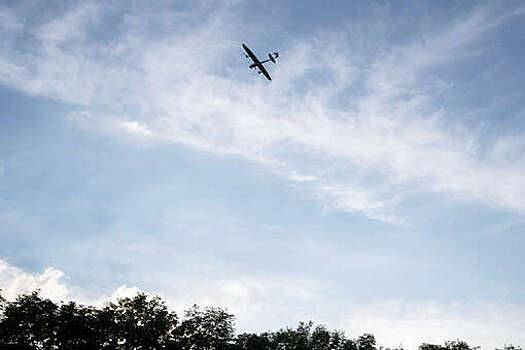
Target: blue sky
x=376 y=185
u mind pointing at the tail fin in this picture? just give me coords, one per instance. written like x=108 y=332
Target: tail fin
x=273 y=56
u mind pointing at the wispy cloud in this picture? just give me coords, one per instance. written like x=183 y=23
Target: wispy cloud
x=369 y=128
x=69 y=29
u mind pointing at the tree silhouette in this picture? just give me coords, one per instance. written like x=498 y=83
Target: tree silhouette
x=449 y=345
x=141 y=322
x=145 y=322
x=3 y=304
x=135 y=323
x=251 y=341
x=204 y=329
x=456 y=345
x=29 y=321
x=77 y=327
x=366 y=342
x=308 y=337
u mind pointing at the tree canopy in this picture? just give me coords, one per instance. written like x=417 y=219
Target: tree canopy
x=145 y=322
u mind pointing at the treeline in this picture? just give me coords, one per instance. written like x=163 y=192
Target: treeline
x=145 y=322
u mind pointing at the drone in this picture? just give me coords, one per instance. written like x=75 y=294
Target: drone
x=258 y=64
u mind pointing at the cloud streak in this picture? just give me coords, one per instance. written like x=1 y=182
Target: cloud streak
x=364 y=135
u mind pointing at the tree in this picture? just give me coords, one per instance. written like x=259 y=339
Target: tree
x=338 y=341
x=296 y=339
x=320 y=339
x=29 y=321
x=210 y=328
x=3 y=304
x=135 y=323
x=145 y=322
x=251 y=341
x=426 y=346
x=456 y=345
x=76 y=327
x=449 y=345
x=140 y=322
x=366 y=342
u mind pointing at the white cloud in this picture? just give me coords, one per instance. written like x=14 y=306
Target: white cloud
x=301 y=178
x=14 y=281
x=119 y=293
x=387 y=135
x=50 y=282
x=258 y=302
x=133 y=128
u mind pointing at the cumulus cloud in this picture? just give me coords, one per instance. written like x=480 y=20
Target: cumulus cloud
x=51 y=283
x=369 y=131
x=14 y=281
x=119 y=293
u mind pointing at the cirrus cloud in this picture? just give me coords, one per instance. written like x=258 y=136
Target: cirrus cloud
x=330 y=117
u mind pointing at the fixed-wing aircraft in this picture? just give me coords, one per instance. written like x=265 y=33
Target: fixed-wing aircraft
x=260 y=64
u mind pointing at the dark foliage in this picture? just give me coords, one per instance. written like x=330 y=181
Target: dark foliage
x=449 y=345
x=145 y=322
x=136 y=323
x=204 y=329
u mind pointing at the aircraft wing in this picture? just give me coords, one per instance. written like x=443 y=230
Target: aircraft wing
x=256 y=62
x=251 y=55
x=264 y=71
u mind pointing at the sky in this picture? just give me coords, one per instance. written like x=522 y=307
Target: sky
x=375 y=185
